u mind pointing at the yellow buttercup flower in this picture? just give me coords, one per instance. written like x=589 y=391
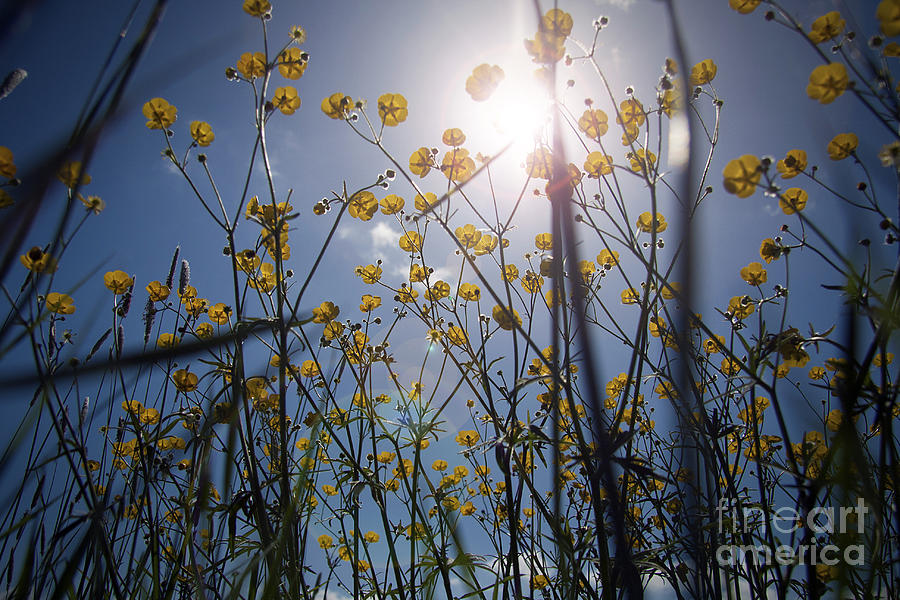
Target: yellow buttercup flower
x=642 y=160
x=38 y=261
x=309 y=368
x=118 y=282
x=608 y=259
x=219 y=313
x=195 y=306
x=630 y=296
x=792 y=164
x=888 y=14
x=769 y=250
x=202 y=133
x=827 y=82
x=742 y=175
x=325 y=312
x=7 y=165
x=292 y=63
x=467 y=438
x=557 y=22
x=546 y=48
x=594 y=123
x=744 y=7
x=453 y=137
x=483 y=81
x=827 y=27
x=793 y=200
x=741 y=307
x=158 y=291
x=440 y=289
x=363 y=205
x=392 y=109
x=714 y=345
x=168 y=340
x=631 y=113
x=532 y=282
x=457 y=336
x=587 y=268
x=411 y=241
x=670 y=101
x=754 y=274
x=333 y=330
x=392 y=204
x=504 y=317
x=883 y=359
x=469 y=292
x=417 y=273
x=630 y=134
x=71 y=176
x=188 y=292
x=703 y=72
x=468 y=236
x=457 y=166
x=488 y=244
x=159 y=113
x=257 y=8
x=730 y=367
x=539 y=164
x=60 y=304
x=842 y=145
x=669 y=291
x=252 y=65
x=816 y=373
x=369 y=303
x=648 y=223
x=184 y=380
x=370 y=274
x=420 y=162
x=286 y=99
x=337 y=105
x=371 y=537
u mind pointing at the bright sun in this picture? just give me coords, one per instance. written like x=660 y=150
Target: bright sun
x=517 y=112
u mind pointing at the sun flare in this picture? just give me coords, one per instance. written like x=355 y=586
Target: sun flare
x=517 y=113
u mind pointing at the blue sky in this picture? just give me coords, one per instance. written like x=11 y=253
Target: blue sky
x=424 y=50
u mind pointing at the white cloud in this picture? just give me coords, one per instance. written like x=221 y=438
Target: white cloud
x=259 y=167
x=401 y=270
x=443 y=273
x=659 y=589
x=622 y=4
x=383 y=235
x=616 y=56
x=331 y=595
x=772 y=209
x=397 y=270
